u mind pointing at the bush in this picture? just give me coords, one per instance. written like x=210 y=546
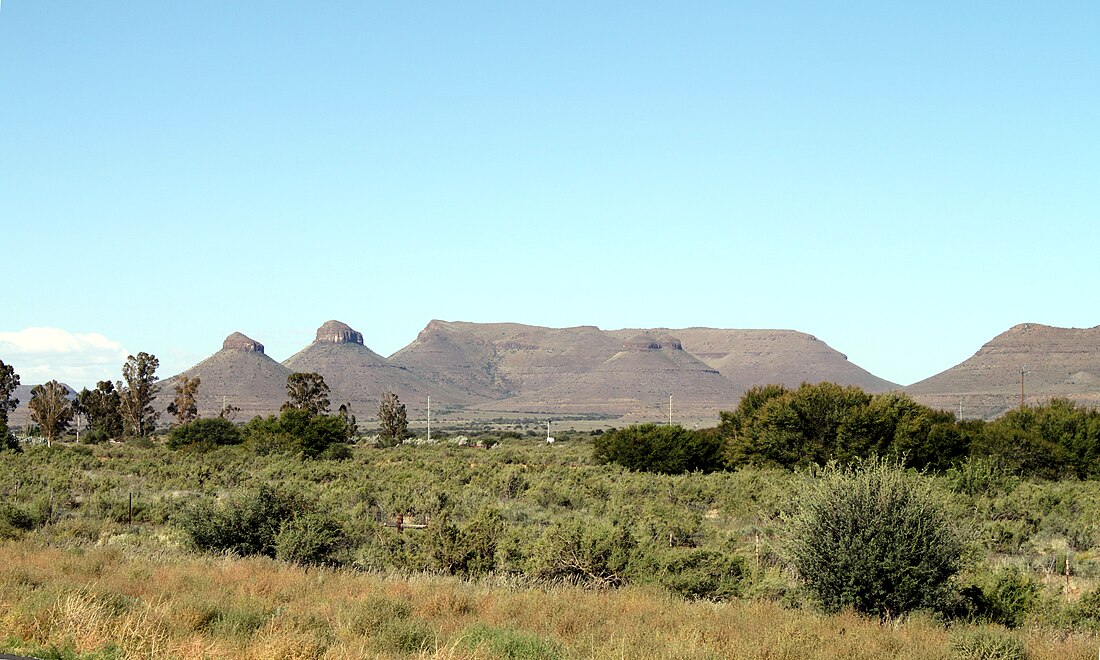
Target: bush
x=703 y=574
x=470 y=550
x=585 y=553
x=1010 y=597
x=205 y=432
x=988 y=645
x=312 y=538
x=661 y=449
x=13 y=520
x=247 y=523
x=1086 y=612
x=508 y=643
x=298 y=431
x=95 y=437
x=873 y=538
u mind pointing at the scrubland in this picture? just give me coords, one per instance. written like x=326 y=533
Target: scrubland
x=530 y=551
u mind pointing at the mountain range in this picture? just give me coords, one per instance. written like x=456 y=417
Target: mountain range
x=511 y=369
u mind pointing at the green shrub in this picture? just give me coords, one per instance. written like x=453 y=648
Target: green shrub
x=247 y=523
x=373 y=613
x=406 y=636
x=205 y=432
x=298 y=431
x=469 y=550
x=874 y=538
x=703 y=574
x=661 y=449
x=507 y=643
x=14 y=519
x=987 y=644
x=1010 y=597
x=1086 y=612
x=95 y=437
x=232 y=622
x=311 y=538
x=576 y=551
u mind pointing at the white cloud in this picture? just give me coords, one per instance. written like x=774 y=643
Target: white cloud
x=41 y=354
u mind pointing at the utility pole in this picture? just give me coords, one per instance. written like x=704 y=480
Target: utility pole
x=1023 y=371
x=429 y=417
x=670 y=410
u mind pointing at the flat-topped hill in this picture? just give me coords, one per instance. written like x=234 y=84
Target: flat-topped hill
x=636 y=382
x=764 y=357
x=505 y=359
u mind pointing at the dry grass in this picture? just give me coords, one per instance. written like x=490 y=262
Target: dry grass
x=104 y=601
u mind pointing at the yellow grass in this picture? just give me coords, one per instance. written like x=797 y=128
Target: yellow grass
x=108 y=601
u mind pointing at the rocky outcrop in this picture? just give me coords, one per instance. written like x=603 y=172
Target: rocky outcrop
x=647 y=342
x=641 y=342
x=335 y=332
x=240 y=342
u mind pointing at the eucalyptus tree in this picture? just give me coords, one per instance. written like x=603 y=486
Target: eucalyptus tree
x=136 y=394
x=184 y=406
x=9 y=380
x=308 y=392
x=51 y=409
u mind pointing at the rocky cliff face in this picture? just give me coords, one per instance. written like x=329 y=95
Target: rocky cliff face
x=241 y=342
x=335 y=332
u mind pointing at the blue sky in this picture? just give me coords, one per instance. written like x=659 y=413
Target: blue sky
x=903 y=182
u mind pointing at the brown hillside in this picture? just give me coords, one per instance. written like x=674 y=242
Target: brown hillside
x=240 y=374
x=1061 y=362
x=763 y=357
x=503 y=359
x=636 y=382
x=358 y=375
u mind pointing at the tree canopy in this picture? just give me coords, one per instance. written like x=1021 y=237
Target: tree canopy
x=9 y=380
x=183 y=406
x=100 y=407
x=392 y=418
x=136 y=398
x=308 y=392
x=51 y=409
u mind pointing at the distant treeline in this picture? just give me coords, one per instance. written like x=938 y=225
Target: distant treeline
x=775 y=426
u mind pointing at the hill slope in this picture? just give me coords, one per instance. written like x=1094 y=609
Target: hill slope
x=240 y=375
x=358 y=375
x=636 y=382
x=1060 y=362
x=763 y=357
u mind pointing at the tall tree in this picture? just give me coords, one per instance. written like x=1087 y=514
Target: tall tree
x=9 y=380
x=183 y=406
x=100 y=407
x=392 y=418
x=51 y=409
x=308 y=392
x=136 y=401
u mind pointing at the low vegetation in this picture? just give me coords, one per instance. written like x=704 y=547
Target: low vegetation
x=290 y=537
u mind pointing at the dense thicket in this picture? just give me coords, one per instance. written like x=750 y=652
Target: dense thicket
x=661 y=449
x=299 y=431
x=816 y=424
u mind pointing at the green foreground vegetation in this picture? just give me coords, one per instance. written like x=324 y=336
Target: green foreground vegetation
x=528 y=551
x=804 y=514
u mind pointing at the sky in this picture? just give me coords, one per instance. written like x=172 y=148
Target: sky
x=903 y=181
